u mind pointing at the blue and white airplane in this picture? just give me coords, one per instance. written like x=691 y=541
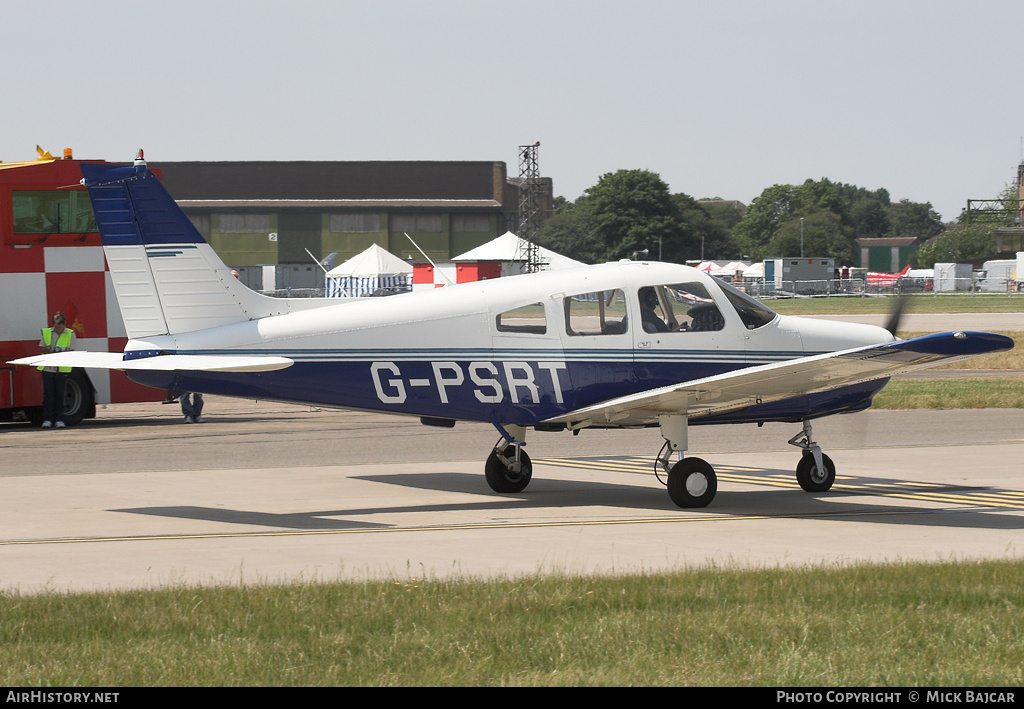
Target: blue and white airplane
x=619 y=345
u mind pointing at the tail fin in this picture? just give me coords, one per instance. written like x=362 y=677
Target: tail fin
x=167 y=279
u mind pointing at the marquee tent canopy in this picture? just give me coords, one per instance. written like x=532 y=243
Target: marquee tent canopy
x=366 y=272
x=510 y=248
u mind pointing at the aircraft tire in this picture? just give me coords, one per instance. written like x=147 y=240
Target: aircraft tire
x=692 y=483
x=78 y=398
x=808 y=476
x=502 y=479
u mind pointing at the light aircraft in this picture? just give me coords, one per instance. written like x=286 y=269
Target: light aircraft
x=886 y=280
x=619 y=345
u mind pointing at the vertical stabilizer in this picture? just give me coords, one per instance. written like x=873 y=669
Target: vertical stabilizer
x=167 y=279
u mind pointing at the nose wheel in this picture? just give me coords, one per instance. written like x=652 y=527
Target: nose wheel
x=815 y=472
x=813 y=478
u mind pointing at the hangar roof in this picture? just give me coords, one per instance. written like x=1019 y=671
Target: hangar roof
x=323 y=183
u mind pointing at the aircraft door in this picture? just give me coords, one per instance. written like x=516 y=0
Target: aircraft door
x=685 y=332
x=529 y=369
x=598 y=346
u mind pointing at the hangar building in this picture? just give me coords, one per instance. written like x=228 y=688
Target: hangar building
x=256 y=213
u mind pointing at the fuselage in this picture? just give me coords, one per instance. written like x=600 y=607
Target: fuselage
x=519 y=349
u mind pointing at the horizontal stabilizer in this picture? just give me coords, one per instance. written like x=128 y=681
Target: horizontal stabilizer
x=161 y=363
x=785 y=380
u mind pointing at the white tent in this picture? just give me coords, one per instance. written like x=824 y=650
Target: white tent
x=731 y=269
x=754 y=272
x=366 y=272
x=509 y=248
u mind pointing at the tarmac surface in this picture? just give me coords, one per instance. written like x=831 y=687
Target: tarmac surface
x=267 y=492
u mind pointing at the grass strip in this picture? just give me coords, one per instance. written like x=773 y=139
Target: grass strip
x=951 y=394
x=918 y=303
x=908 y=624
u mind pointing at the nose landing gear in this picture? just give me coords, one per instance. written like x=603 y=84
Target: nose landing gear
x=815 y=472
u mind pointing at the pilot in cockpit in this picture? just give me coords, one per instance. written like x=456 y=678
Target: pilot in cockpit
x=648 y=305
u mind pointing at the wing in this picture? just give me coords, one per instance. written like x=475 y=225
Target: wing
x=774 y=382
x=163 y=363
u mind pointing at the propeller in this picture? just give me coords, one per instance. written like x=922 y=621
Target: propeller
x=893 y=323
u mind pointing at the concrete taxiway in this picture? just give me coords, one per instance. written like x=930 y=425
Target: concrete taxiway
x=269 y=492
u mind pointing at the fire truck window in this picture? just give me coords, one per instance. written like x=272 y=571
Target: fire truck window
x=526 y=318
x=52 y=212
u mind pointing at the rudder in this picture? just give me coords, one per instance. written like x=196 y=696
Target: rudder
x=167 y=279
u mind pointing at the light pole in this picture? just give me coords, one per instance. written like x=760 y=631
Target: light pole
x=801 y=237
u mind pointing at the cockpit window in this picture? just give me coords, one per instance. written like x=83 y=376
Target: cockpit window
x=598 y=313
x=683 y=307
x=525 y=318
x=753 y=313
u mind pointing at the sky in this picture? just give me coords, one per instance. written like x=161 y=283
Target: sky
x=721 y=99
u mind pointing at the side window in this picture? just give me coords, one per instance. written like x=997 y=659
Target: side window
x=525 y=318
x=682 y=307
x=652 y=313
x=52 y=212
x=597 y=313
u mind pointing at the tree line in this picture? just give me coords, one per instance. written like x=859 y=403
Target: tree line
x=629 y=211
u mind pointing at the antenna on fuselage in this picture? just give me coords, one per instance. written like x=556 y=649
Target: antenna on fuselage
x=432 y=264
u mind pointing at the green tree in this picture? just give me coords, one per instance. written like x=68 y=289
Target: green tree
x=869 y=217
x=957 y=245
x=824 y=234
x=916 y=219
x=823 y=194
x=710 y=232
x=634 y=210
x=764 y=216
x=726 y=214
x=861 y=213
x=572 y=231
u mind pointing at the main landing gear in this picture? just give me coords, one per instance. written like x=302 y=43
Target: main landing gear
x=692 y=481
x=815 y=472
x=508 y=467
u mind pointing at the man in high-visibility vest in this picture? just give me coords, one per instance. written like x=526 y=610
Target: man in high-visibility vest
x=55 y=339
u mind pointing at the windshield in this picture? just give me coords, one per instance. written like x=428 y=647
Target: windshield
x=753 y=313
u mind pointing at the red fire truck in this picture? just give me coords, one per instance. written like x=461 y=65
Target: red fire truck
x=51 y=259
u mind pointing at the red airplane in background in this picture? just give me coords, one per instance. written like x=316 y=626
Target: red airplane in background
x=886 y=280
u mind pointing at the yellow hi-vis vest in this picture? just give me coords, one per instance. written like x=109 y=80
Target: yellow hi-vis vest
x=63 y=340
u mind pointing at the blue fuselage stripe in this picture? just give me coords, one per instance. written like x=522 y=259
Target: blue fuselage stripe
x=524 y=390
